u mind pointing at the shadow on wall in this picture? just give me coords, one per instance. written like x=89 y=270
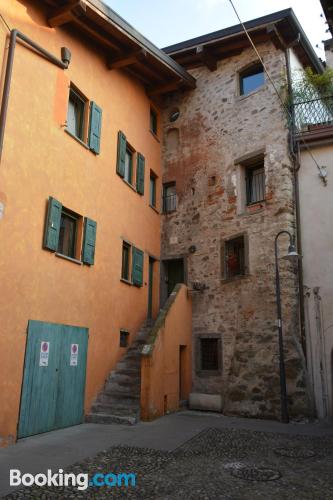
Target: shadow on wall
x=166 y=364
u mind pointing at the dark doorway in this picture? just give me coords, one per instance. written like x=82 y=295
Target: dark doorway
x=174 y=273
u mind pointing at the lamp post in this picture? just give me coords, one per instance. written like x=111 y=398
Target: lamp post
x=292 y=255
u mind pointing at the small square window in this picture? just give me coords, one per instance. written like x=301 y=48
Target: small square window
x=68 y=234
x=209 y=354
x=76 y=114
x=152 y=193
x=153 y=121
x=128 y=175
x=126 y=262
x=255 y=183
x=169 y=197
x=124 y=335
x=251 y=79
x=234 y=257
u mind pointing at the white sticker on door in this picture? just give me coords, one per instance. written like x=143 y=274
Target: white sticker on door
x=74 y=354
x=44 y=353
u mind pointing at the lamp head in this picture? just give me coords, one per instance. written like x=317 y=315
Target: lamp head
x=292 y=254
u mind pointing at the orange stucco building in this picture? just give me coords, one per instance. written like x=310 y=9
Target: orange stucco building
x=80 y=184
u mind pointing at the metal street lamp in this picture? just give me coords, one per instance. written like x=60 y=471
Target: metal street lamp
x=291 y=255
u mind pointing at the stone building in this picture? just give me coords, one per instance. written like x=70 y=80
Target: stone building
x=228 y=190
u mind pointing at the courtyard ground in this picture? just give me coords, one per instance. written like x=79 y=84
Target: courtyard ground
x=188 y=455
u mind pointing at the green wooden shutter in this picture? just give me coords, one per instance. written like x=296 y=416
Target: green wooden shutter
x=89 y=241
x=121 y=158
x=140 y=174
x=52 y=226
x=137 y=267
x=95 y=127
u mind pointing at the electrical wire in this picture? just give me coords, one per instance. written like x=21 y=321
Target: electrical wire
x=276 y=90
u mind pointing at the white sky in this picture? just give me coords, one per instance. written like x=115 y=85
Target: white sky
x=172 y=21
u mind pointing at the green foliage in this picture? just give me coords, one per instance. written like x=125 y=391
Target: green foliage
x=309 y=85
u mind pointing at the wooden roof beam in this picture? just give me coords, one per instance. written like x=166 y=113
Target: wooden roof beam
x=277 y=39
x=163 y=89
x=67 y=14
x=127 y=59
x=206 y=58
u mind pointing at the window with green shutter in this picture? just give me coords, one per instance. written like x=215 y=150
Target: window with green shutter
x=87 y=133
x=137 y=267
x=140 y=174
x=89 y=242
x=52 y=226
x=95 y=127
x=64 y=231
x=121 y=156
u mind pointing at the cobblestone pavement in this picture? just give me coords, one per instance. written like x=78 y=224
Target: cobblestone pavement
x=227 y=464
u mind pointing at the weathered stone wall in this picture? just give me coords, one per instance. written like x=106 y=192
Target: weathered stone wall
x=216 y=129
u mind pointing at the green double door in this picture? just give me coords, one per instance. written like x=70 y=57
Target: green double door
x=54 y=378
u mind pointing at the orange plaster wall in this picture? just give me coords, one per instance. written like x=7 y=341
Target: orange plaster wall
x=41 y=160
x=160 y=378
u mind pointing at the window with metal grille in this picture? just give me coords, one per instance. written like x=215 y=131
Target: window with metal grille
x=169 y=197
x=234 y=257
x=209 y=351
x=255 y=183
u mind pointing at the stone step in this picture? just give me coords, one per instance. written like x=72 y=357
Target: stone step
x=114 y=398
x=103 y=418
x=128 y=372
x=128 y=364
x=116 y=409
x=114 y=386
x=132 y=379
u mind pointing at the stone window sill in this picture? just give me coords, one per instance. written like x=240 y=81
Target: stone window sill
x=209 y=373
x=75 y=261
x=77 y=139
x=260 y=89
x=129 y=185
x=127 y=282
x=235 y=278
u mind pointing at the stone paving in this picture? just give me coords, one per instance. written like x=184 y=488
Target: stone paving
x=227 y=464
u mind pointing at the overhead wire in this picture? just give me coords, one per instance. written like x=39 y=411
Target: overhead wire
x=285 y=107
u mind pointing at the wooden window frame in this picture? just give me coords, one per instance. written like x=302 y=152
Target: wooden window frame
x=79 y=96
x=128 y=279
x=77 y=236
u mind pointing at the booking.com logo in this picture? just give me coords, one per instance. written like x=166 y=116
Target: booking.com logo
x=80 y=481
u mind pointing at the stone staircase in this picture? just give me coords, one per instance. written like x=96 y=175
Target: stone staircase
x=119 y=401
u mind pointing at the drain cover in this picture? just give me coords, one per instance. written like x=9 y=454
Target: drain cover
x=255 y=473
x=294 y=452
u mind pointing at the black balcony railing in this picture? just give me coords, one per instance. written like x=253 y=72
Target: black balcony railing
x=169 y=203
x=312 y=108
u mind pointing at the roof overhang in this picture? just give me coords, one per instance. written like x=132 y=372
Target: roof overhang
x=282 y=27
x=124 y=47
